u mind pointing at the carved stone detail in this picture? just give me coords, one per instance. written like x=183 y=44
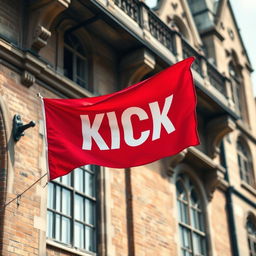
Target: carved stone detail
x=27 y=78
x=174 y=161
x=217 y=128
x=136 y=65
x=215 y=179
x=40 y=38
x=43 y=13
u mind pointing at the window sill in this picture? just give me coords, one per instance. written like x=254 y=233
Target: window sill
x=68 y=249
x=248 y=188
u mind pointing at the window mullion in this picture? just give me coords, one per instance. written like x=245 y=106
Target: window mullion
x=74 y=67
x=73 y=210
x=84 y=200
x=54 y=214
x=61 y=196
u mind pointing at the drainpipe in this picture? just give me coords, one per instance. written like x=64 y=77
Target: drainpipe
x=230 y=209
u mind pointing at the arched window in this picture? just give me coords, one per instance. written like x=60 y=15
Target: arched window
x=191 y=218
x=236 y=86
x=75 y=61
x=71 y=209
x=251 y=233
x=245 y=163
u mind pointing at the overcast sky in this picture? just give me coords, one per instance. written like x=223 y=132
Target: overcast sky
x=245 y=13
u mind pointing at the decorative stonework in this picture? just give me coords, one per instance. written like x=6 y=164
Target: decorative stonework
x=174 y=161
x=27 y=78
x=43 y=13
x=217 y=128
x=136 y=65
x=40 y=38
x=214 y=179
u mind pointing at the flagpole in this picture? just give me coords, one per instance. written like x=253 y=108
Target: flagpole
x=45 y=135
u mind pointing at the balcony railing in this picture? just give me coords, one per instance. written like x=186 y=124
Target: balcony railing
x=161 y=31
x=130 y=7
x=188 y=51
x=149 y=21
x=217 y=80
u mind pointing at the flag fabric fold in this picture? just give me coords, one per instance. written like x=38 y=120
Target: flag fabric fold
x=143 y=123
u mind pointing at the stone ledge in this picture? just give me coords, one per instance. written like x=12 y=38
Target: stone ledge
x=67 y=249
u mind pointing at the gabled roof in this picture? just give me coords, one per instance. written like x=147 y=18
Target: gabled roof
x=218 y=19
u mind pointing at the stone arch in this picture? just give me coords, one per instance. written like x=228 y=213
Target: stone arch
x=59 y=29
x=178 y=23
x=186 y=169
x=249 y=216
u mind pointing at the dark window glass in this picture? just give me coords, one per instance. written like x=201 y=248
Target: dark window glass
x=75 y=61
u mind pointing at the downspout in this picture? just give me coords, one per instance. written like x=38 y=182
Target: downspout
x=129 y=212
x=230 y=209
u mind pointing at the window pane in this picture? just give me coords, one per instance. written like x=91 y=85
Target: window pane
x=193 y=198
x=183 y=212
x=68 y=63
x=57 y=227
x=196 y=220
x=198 y=242
x=49 y=224
x=186 y=238
x=89 y=184
x=58 y=198
x=80 y=71
x=65 y=233
x=90 y=239
x=79 y=207
x=79 y=179
x=90 y=212
x=66 y=202
x=50 y=196
x=79 y=235
x=66 y=179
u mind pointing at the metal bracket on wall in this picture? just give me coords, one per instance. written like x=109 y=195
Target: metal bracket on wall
x=19 y=127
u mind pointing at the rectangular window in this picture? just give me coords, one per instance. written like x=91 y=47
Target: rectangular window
x=71 y=209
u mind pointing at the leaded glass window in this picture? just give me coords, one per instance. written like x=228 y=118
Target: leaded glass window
x=71 y=212
x=191 y=218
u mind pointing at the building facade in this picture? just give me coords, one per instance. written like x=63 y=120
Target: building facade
x=199 y=202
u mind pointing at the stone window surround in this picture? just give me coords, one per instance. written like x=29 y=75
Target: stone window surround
x=188 y=170
x=248 y=159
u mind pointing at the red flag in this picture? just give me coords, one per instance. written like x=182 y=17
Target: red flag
x=138 y=125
